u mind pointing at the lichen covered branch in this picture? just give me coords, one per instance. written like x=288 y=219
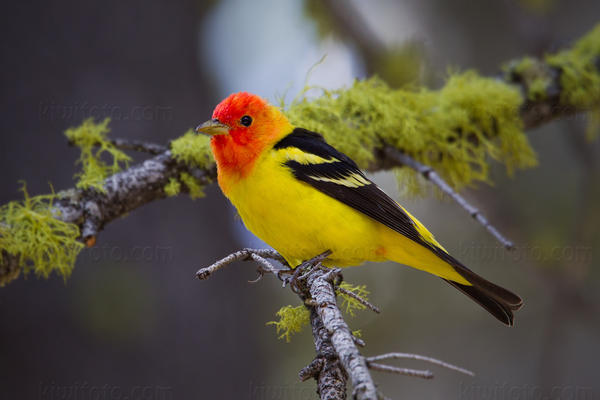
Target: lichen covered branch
x=455 y=131
x=88 y=211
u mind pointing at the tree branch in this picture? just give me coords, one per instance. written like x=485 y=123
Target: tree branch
x=124 y=192
x=330 y=374
x=320 y=284
x=337 y=357
x=91 y=210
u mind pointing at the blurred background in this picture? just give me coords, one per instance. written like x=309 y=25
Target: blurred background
x=132 y=322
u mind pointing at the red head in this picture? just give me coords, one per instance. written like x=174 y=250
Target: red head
x=243 y=126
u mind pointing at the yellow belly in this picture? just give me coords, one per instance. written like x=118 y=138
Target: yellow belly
x=300 y=222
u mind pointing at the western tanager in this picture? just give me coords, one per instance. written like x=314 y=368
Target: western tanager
x=303 y=197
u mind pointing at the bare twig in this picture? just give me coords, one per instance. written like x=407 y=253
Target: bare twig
x=258 y=255
x=431 y=360
x=401 y=371
x=359 y=342
x=431 y=175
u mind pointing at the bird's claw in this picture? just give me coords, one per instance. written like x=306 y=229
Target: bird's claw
x=301 y=271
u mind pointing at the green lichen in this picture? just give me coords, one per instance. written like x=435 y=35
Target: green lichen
x=455 y=130
x=172 y=188
x=195 y=189
x=580 y=71
x=193 y=149
x=291 y=320
x=349 y=304
x=91 y=138
x=534 y=74
x=30 y=231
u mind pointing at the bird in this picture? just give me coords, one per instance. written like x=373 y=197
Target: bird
x=303 y=197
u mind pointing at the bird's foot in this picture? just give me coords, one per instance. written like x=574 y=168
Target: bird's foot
x=299 y=274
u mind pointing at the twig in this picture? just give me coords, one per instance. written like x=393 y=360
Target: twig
x=401 y=371
x=139 y=145
x=431 y=360
x=258 y=255
x=431 y=175
x=362 y=301
x=358 y=341
x=264 y=266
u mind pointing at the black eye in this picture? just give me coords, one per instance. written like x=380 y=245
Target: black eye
x=246 y=120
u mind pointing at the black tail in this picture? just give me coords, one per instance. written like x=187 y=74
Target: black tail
x=497 y=306
x=496 y=300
